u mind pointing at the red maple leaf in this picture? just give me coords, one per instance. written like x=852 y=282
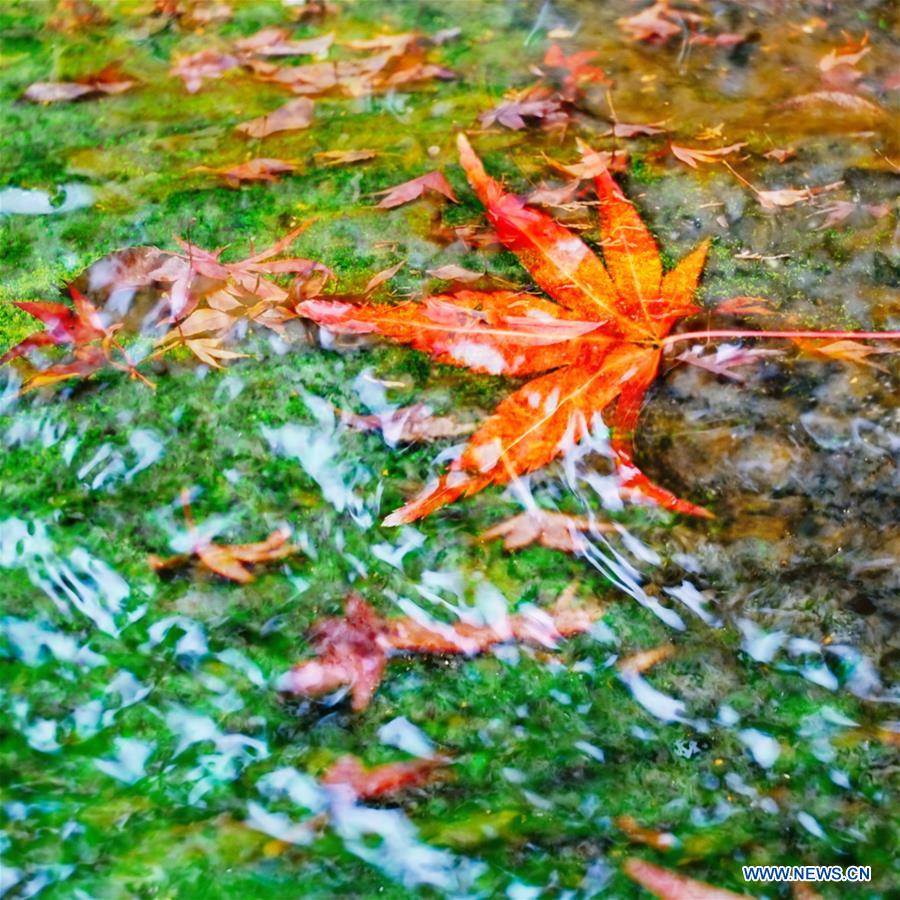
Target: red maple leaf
x=353 y=651
x=600 y=341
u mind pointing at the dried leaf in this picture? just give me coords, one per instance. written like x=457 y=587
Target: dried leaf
x=262 y=169
x=343 y=157
x=452 y=272
x=745 y=306
x=513 y=113
x=434 y=181
x=848 y=351
x=227 y=560
x=781 y=155
x=293 y=116
x=110 y=80
x=641 y=662
x=408 y=425
x=668 y=885
x=557 y=531
x=792 y=196
x=276 y=42
x=627 y=130
x=726 y=358
x=826 y=101
x=659 y=23
x=693 y=155
x=387 y=779
x=353 y=651
x=384 y=275
x=203 y=66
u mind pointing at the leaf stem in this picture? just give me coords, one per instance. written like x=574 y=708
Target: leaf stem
x=748 y=333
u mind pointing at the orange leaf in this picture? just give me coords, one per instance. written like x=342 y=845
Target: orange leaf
x=668 y=885
x=389 y=778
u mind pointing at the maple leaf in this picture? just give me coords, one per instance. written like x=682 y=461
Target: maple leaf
x=353 y=651
x=82 y=329
x=414 y=188
x=208 y=297
x=659 y=23
x=668 y=885
x=388 y=778
x=512 y=113
x=204 y=65
x=227 y=560
x=578 y=68
x=293 y=116
x=110 y=80
x=597 y=343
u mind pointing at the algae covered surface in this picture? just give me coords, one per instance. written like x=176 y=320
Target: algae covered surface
x=144 y=747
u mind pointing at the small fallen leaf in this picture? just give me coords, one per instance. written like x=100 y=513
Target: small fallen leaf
x=693 y=155
x=725 y=358
x=847 y=55
x=723 y=39
x=387 y=779
x=513 y=113
x=555 y=530
x=253 y=170
x=646 y=659
x=846 y=351
x=276 y=42
x=343 y=157
x=659 y=23
x=384 y=275
x=745 y=306
x=293 y=116
x=434 y=181
x=791 y=196
x=782 y=155
x=227 y=560
x=822 y=100
x=668 y=885
x=408 y=425
x=452 y=272
x=578 y=68
x=659 y=840
x=205 y=65
x=110 y=80
x=630 y=130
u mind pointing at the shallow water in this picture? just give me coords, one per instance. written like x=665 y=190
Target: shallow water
x=146 y=749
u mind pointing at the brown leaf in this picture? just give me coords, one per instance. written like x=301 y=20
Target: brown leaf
x=668 y=885
x=792 y=196
x=343 y=157
x=384 y=275
x=293 y=116
x=848 y=351
x=379 y=781
x=354 y=650
x=513 y=113
x=276 y=42
x=110 y=80
x=408 y=425
x=452 y=272
x=261 y=169
x=781 y=155
x=659 y=23
x=434 y=181
x=745 y=306
x=205 y=65
x=693 y=155
x=726 y=358
x=227 y=560
x=626 y=130
x=826 y=101
x=555 y=530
